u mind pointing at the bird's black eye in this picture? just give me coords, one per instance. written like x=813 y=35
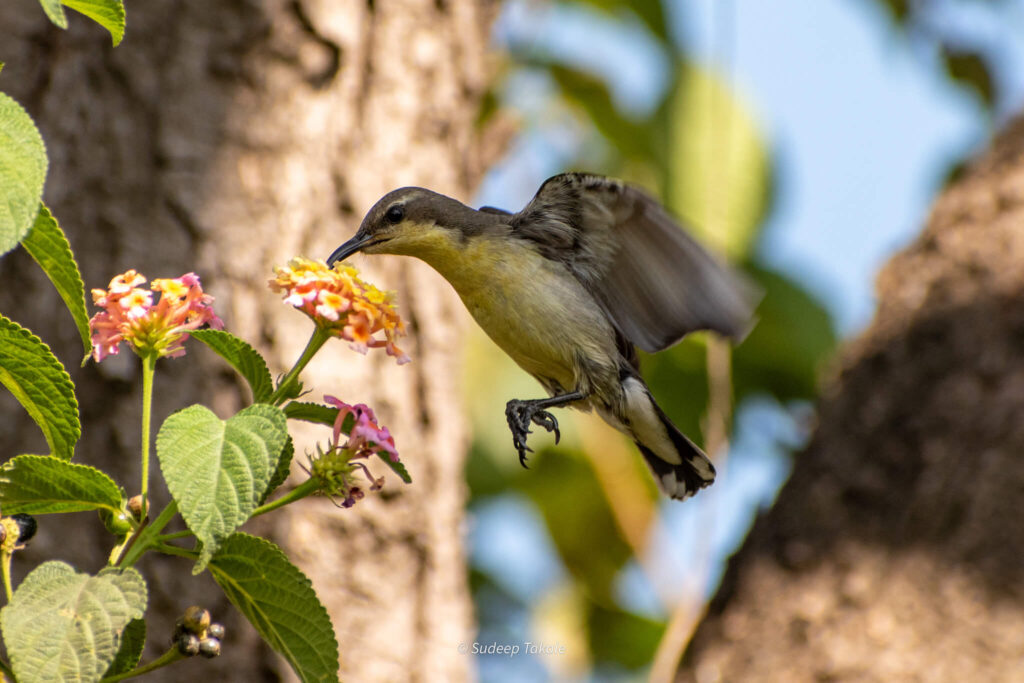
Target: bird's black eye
x=394 y=214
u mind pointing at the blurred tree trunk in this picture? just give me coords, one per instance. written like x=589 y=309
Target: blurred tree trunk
x=224 y=138
x=896 y=550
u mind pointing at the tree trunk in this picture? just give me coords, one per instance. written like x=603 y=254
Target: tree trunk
x=896 y=550
x=225 y=138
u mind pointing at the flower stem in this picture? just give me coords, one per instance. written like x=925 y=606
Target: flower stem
x=5 y=568
x=285 y=386
x=163 y=660
x=168 y=549
x=148 y=370
x=298 y=493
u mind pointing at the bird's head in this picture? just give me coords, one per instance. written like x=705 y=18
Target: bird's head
x=410 y=221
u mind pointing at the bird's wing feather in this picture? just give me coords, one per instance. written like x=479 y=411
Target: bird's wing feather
x=653 y=279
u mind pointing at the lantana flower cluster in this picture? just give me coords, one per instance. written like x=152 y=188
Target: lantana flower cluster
x=340 y=302
x=337 y=467
x=129 y=314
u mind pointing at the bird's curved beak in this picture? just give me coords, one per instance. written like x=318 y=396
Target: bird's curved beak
x=348 y=248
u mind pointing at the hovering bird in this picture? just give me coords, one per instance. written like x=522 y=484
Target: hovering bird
x=568 y=287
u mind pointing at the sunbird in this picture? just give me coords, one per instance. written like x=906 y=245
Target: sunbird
x=569 y=287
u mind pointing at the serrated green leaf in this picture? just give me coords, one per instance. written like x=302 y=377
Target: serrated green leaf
x=279 y=601
x=311 y=412
x=283 y=469
x=133 y=641
x=243 y=358
x=107 y=13
x=65 y=626
x=55 y=12
x=396 y=466
x=22 y=172
x=50 y=248
x=40 y=484
x=33 y=374
x=719 y=177
x=218 y=470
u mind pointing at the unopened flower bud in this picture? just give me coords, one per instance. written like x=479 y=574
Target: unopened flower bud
x=209 y=647
x=135 y=507
x=196 y=619
x=188 y=644
x=26 y=526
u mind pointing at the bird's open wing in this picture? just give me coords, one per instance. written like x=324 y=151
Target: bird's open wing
x=654 y=280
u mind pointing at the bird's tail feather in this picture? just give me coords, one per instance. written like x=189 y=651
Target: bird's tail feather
x=679 y=467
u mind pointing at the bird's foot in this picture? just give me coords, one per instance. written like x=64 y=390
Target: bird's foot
x=519 y=415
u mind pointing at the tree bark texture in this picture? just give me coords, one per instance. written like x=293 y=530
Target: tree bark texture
x=225 y=138
x=896 y=550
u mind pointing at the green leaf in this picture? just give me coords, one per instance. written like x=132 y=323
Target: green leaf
x=311 y=412
x=793 y=339
x=107 y=13
x=218 y=470
x=280 y=603
x=22 y=172
x=55 y=12
x=581 y=524
x=243 y=358
x=133 y=641
x=396 y=466
x=719 y=173
x=650 y=12
x=591 y=94
x=50 y=249
x=282 y=471
x=66 y=626
x=622 y=638
x=40 y=484
x=971 y=70
x=33 y=374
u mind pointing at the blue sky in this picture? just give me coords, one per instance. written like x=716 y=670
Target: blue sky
x=862 y=126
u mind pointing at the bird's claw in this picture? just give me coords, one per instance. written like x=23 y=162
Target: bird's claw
x=519 y=415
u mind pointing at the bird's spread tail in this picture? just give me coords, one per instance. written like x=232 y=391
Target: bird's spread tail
x=679 y=467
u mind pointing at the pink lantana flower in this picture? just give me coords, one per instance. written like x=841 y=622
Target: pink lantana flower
x=338 y=467
x=129 y=314
x=340 y=302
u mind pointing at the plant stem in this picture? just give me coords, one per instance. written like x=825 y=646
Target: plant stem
x=168 y=549
x=147 y=536
x=184 y=533
x=166 y=658
x=319 y=338
x=5 y=568
x=299 y=492
x=148 y=370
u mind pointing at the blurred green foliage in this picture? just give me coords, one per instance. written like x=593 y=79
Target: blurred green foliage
x=970 y=64
x=702 y=152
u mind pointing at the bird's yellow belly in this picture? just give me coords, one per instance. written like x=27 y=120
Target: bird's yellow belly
x=537 y=313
